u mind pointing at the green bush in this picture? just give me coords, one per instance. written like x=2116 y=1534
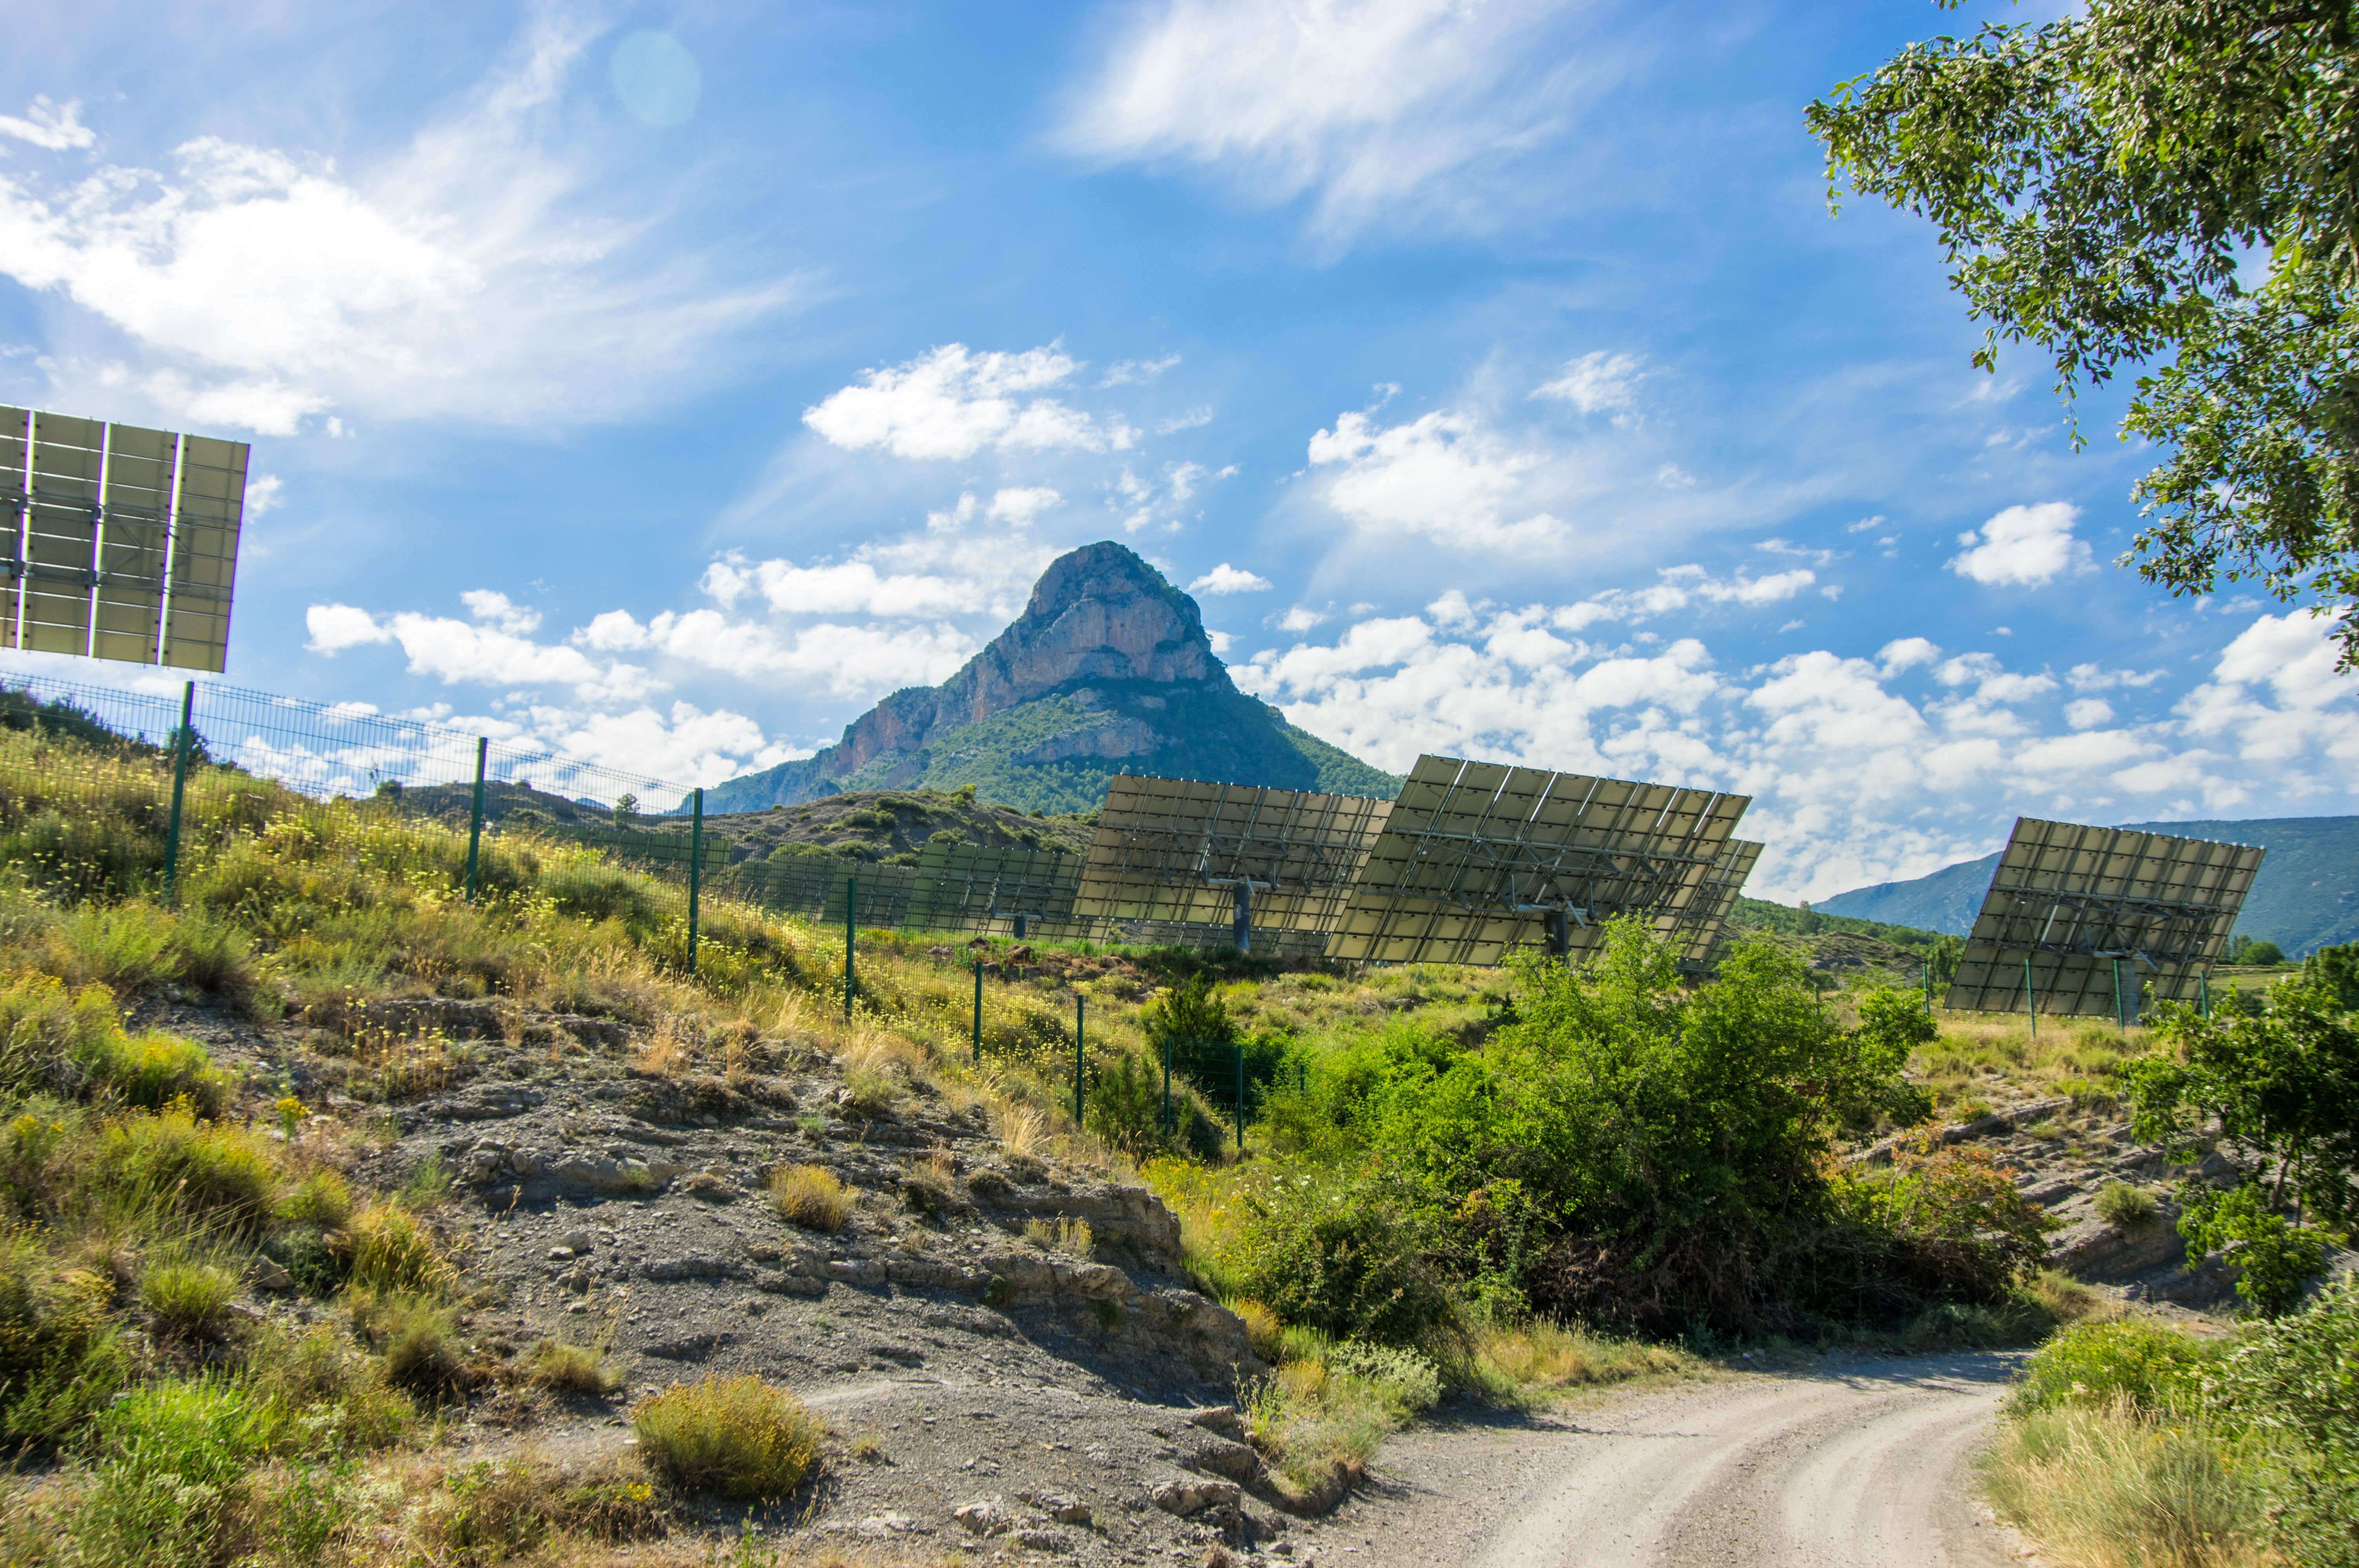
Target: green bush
x=2297 y=1379
x=417 y=1337
x=1349 y=1257
x=61 y=1360
x=737 y=1438
x=2134 y=1361
x=1125 y=1106
x=571 y=1369
x=171 y=1162
x=1404 y=1381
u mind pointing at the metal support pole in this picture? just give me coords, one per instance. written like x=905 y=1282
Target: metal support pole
x=1239 y=1048
x=475 y=817
x=2121 y=1017
x=1077 y=1063
x=1243 y=921
x=180 y=790
x=978 y=1012
x=695 y=875
x=2030 y=1000
x=1020 y=926
x=851 y=904
x=2202 y=996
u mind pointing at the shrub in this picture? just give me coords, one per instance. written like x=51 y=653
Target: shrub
x=2135 y=1362
x=1071 y=1236
x=737 y=1438
x=2296 y=1379
x=2126 y=1207
x=171 y=1451
x=61 y=1361
x=1347 y=1257
x=45 y=1029
x=1402 y=1380
x=869 y=1091
x=319 y=1373
x=2113 y=1485
x=157 y=1070
x=321 y=1200
x=1124 y=1105
x=571 y=1369
x=810 y=1196
x=418 y=1338
x=187 y=1301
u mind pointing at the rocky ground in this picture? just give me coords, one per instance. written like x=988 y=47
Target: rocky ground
x=1047 y=1395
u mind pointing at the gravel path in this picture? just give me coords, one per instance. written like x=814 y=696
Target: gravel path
x=1834 y=1462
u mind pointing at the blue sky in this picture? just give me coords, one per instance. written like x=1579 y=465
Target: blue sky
x=669 y=383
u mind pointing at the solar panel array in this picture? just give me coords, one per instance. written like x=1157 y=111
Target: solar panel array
x=1179 y=851
x=1706 y=928
x=971 y=887
x=1478 y=859
x=2096 y=912
x=123 y=543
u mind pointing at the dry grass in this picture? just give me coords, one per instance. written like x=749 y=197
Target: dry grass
x=738 y=1439
x=810 y=1196
x=1071 y=1236
x=2115 y=1488
x=1262 y=1327
x=667 y=1051
x=1538 y=1358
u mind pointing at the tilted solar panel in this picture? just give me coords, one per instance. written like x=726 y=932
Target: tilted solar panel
x=1476 y=858
x=1706 y=927
x=121 y=542
x=1193 y=854
x=2078 y=919
x=973 y=887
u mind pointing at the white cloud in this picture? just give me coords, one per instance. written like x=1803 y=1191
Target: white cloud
x=335 y=627
x=55 y=127
x=1677 y=588
x=2028 y=545
x=1596 y=382
x=1137 y=373
x=485 y=271
x=1904 y=653
x=1299 y=619
x=2088 y=712
x=1865 y=524
x=1220 y=640
x=1382 y=107
x=1671 y=476
x=498 y=611
x=1020 y=505
x=263 y=491
x=953 y=402
x=1442 y=475
x=1227 y=578
x=1187 y=419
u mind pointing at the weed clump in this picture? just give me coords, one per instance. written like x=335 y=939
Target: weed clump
x=571 y=1369
x=738 y=1438
x=187 y=1301
x=810 y=1196
x=2126 y=1207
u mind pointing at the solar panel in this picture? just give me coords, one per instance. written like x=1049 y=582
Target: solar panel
x=1193 y=857
x=2078 y=918
x=806 y=885
x=972 y=887
x=1479 y=858
x=123 y=543
x=1706 y=924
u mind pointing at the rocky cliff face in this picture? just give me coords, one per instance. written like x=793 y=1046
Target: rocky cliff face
x=1099 y=613
x=1108 y=669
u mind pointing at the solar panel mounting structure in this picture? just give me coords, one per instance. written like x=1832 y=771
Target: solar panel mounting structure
x=1477 y=859
x=123 y=543
x=1707 y=927
x=1173 y=857
x=2079 y=918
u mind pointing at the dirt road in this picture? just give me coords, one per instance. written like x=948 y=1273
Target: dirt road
x=1830 y=1464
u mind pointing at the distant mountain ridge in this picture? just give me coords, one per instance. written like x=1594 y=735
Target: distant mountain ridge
x=1108 y=670
x=2306 y=897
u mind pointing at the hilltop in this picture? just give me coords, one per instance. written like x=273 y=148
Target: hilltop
x=1108 y=670
x=2306 y=897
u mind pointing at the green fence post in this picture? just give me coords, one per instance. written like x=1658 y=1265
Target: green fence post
x=695 y=875
x=1166 y=1087
x=978 y=1012
x=851 y=904
x=179 y=789
x=1240 y=1050
x=475 y=820
x=2202 y=996
x=2030 y=999
x=1077 y=1063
